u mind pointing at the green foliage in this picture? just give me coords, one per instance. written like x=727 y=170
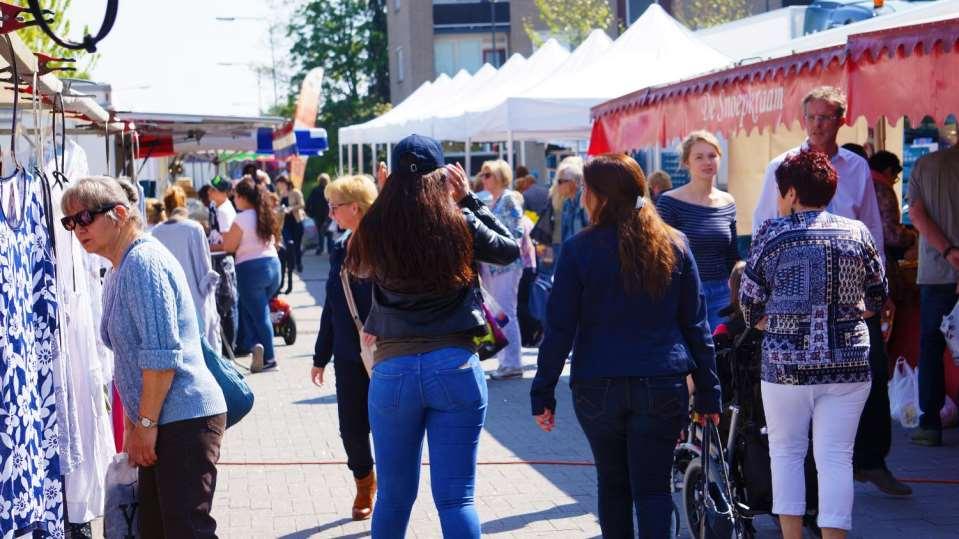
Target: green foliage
x=347 y=38
x=38 y=41
x=698 y=14
x=571 y=20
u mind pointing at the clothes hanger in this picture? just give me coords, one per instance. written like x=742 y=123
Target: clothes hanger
x=89 y=43
x=59 y=162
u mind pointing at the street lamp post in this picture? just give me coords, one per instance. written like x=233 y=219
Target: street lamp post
x=276 y=93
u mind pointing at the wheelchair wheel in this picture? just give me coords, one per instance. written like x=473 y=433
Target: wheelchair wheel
x=288 y=331
x=702 y=522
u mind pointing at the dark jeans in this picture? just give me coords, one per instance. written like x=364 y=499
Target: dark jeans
x=632 y=425
x=176 y=494
x=293 y=242
x=441 y=395
x=874 y=437
x=352 y=391
x=935 y=301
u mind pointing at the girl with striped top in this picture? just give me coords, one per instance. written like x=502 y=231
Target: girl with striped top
x=707 y=216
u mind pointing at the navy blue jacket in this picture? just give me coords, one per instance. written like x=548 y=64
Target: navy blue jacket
x=616 y=334
x=337 y=337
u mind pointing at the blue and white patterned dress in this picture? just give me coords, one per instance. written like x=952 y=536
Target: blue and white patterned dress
x=31 y=491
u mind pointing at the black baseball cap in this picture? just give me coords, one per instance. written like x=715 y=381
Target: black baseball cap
x=417 y=154
x=221 y=184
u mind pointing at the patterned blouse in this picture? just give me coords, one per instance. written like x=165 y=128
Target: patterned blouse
x=813 y=274
x=509 y=210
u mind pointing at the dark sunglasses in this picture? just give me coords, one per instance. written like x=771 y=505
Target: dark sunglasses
x=84 y=218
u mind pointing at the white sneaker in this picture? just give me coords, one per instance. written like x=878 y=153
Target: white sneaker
x=506 y=373
x=257 y=364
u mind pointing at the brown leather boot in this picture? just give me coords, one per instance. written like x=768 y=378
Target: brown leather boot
x=365 y=492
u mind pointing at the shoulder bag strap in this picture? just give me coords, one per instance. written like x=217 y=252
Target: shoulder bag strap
x=350 y=302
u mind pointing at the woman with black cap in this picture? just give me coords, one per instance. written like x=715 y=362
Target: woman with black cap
x=420 y=243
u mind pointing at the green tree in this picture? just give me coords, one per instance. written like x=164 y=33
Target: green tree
x=347 y=38
x=698 y=14
x=38 y=41
x=570 y=20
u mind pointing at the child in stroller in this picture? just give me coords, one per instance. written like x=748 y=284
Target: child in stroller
x=724 y=474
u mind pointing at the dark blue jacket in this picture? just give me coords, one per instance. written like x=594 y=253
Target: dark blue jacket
x=616 y=334
x=338 y=337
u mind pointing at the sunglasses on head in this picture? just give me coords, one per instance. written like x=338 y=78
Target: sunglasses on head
x=84 y=218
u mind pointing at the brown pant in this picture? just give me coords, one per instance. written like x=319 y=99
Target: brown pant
x=176 y=494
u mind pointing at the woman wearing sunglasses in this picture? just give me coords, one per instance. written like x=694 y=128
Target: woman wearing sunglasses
x=175 y=413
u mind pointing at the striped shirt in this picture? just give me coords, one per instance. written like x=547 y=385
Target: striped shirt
x=711 y=233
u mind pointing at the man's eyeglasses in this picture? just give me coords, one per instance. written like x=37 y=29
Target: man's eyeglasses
x=84 y=218
x=334 y=207
x=824 y=118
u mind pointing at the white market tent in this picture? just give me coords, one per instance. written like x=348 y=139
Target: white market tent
x=452 y=107
x=656 y=49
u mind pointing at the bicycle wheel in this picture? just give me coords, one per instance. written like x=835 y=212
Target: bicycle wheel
x=702 y=519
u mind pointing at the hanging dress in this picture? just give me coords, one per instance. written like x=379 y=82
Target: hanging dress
x=31 y=491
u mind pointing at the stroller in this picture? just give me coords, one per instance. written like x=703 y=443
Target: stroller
x=724 y=472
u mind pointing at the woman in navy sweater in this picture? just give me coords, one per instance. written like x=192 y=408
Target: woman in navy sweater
x=627 y=299
x=349 y=198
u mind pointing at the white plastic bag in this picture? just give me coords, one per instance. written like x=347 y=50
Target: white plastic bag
x=120 y=512
x=949 y=415
x=904 y=394
x=950 y=328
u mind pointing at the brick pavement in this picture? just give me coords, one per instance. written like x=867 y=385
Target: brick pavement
x=270 y=484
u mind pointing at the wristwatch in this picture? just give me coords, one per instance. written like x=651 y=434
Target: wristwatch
x=147 y=423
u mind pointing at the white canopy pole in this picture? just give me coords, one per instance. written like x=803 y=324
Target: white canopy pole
x=469 y=156
x=522 y=152
x=373 y=160
x=359 y=158
x=389 y=156
x=500 y=145
x=340 y=151
x=349 y=159
x=509 y=148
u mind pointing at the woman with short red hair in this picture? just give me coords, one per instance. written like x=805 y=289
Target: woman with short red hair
x=811 y=280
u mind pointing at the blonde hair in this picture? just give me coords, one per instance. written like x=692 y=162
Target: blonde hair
x=173 y=198
x=155 y=211
x=502 y=171
x=829 y=94
x=359 y=189
x=661 y=180
x=95 y=192
x=695 y=138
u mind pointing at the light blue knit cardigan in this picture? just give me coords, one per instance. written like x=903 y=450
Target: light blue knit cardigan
x=150 y=322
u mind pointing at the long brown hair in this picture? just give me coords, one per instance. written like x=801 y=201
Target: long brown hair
x=414 y=239
x=259 y=197
x=647 y=245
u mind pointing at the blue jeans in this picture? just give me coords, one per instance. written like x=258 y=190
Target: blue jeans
x=257 y=281
x=717 y=298
x=935 y=301
x=632 y=425
x=442 y=394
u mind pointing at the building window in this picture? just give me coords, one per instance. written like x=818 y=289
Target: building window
x=495 y=58
x=400 y=65
x=452 y=53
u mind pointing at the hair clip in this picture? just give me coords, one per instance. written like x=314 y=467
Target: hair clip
x=640 y=202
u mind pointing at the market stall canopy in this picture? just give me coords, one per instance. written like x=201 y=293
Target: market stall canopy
x=654 y=50
x=427 y=122
x=184 y=133
x=755 y=96
x=515 y=110
x=369 y=131
x=471 y=120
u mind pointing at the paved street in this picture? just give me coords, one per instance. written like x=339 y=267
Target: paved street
x=282 y=472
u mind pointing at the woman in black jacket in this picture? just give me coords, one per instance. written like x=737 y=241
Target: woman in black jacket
x=419 y=244
x=350 y=197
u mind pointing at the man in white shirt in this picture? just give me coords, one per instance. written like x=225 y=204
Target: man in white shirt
x=220 y=196
x=824 y=109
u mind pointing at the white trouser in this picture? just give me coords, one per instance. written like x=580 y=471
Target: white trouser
x=834 y=410
x=504 y=287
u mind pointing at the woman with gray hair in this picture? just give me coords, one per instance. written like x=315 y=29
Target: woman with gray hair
x=175 y=411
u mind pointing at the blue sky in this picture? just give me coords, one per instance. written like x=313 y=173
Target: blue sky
x=163 y=56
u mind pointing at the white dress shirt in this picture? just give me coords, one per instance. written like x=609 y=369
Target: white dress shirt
x=855 y=196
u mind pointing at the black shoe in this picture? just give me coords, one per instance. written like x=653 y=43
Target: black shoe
x=267 y=365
